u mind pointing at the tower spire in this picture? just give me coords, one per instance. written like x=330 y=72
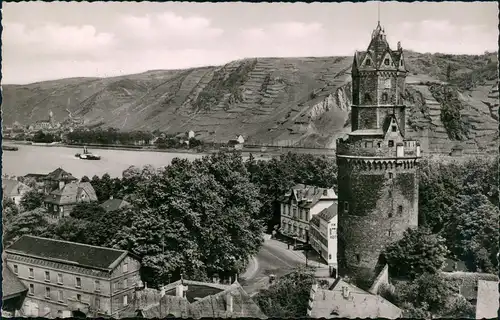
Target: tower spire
x=378 y=13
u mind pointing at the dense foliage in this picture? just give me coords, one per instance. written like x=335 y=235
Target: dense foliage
x=288 y=297
x=418 y=252
x=34 y=222
x=32 y=200
x=43 y=137
x=451 y=108
x=109 y=136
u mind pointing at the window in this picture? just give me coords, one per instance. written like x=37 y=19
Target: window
x=60 y=295
x=400 y=210
x=307 y=215
x=78 y=282
x=97 y=285
x=391 y=143
x=59 y=313
x=367 y=99
x=47 y=293
x=358 y=258
x=393 y=128
x=386 y=62
x=32 y=288
x=32 y=273
x=330 y=256
x=384 y=97
x=368 y=62
x=47 y=276
x=390 y=214
x=97 y=303
x=79 y=297
x=389 y=233
x=390 y=175
x=378 y=145
x=346 y=206
x=125 y=283
x=125 y=300
x=16 y=270
x=59 y=278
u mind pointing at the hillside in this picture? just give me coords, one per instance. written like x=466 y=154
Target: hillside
x=286 y=101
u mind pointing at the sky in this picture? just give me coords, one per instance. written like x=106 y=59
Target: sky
x=53 y=40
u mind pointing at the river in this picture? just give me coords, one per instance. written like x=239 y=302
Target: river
x=40 y=159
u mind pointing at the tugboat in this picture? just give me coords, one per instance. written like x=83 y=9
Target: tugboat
x=86 y=155
x=9 y=148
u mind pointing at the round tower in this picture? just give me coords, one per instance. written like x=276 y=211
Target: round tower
x=377 y=165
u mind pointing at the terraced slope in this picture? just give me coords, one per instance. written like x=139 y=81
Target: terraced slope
x=281 y=101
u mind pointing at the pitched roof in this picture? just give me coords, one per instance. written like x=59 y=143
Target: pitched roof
x=467 y=282
x=12 y=187
x=71 y=193
x=357 y=303
x=59 y=174
x=11 y=285
x=202 y=300
x=329 y=213
x=487 y=300
x=114 y=204
x=67 y=252
x=308 y=196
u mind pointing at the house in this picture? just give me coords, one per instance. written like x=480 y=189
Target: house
x=193 y=299
x=14 y=190
x=61 y=201
x=299 y=205
x=237 y=143
x=487 y=300
x=343 y=300
x=57 y=179
x=114 y=204
x=323 y=236
x=72 y=279
x=13 y=293
x=467 y=283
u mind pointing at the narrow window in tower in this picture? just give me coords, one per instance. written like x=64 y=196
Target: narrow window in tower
x=391 y=143
x=390 y=214
x=367 y=99
x=386 y=62
x=358 y=258
x=393 y=128
x=378 y=145
x=384 y=97
x=389 y=233
x=346 y=206
x=368 y=62
x=390 y=175
x=400 y=210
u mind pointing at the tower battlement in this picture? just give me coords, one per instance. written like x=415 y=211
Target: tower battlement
x=378 y=147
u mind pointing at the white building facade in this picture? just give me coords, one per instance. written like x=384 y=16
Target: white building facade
x=323 y=236
x=299 y=205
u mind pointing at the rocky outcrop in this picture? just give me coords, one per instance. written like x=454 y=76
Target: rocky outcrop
x=279 y=101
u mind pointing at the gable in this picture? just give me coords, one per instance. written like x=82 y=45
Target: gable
x=391 y=128
x=387 y=62
x=368 y=61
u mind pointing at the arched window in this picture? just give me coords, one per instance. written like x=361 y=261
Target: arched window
x=367 y=98
x=368 y=62
x=386 y=62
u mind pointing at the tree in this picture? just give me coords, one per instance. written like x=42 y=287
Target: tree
x=33 y=222
x=85 y=179
x=198 y=217
x=90 y=211
x=9 y=210
x=288 y=297
x=472 y=232
x=418 y=252
x=32 y=200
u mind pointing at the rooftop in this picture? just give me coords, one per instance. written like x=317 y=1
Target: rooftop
x=308 y=196
x=12 y=187
x=71 y=192
x=329 y=213
x=114 y=204
x=67 y=252
x=487 y=300
x=343 y=300
x=11 y=285
x=60 y=175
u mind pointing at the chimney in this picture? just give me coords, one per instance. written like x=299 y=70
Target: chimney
x=345 y=292
x=229 y=302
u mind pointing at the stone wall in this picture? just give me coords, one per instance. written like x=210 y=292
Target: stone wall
x=376 y=206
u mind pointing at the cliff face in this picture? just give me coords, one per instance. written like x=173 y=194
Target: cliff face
x=281 y=101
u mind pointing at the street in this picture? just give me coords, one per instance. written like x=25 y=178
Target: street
x=274 y=258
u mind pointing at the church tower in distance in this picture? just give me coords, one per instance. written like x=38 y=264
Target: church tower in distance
x=378 y=167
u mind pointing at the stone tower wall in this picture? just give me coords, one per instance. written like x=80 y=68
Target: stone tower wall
x=380 y=208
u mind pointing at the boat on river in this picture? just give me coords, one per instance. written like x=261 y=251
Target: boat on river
x=9 y=148
x=87 y=155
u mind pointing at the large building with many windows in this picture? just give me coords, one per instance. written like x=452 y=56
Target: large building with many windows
x=323 y=236
x=66 y=279
x=299 y=205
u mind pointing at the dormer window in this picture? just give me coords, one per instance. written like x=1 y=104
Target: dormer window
x=386 y=62
x=368 y=62
x=384 y=97
x=393 y=128
x=391 y=143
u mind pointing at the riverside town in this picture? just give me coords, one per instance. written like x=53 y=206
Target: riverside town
x=360 y=181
